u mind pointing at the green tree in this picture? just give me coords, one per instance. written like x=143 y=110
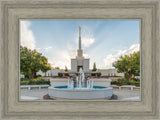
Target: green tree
x=57 y=68
x=66 y=69
x=94 y=67
x=46 y=67
x=129 y=65
x=32 y=61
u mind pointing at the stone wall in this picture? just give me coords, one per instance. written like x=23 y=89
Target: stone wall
x=64 y=82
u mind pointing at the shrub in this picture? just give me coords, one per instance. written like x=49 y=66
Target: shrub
x=93 y=74
x=38 y=76
x=24 y=79
x=124 y=81
x=113 y=82
x=137 y=84
x=31 y=82
x=36 y=81
x=133 y=82
x=98 y=74
x=121 y=81
x=42 y=82
x=39 y=82
x=60 y=74
x=127 y=83
x=24 y=82
x=66 y=74
x=48 y=82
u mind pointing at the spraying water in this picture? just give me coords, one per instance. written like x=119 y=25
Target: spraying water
x=80 y=79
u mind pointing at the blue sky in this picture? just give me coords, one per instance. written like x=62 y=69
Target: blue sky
x=102 y=41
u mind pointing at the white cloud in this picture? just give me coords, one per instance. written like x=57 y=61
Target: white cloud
x=27 y=38
x=47 y=48
x=61 y=59
x=87 y=41
x=86 y=37
x=86 y=55
x=111 y=58
x=42 y=50
x=62 y=64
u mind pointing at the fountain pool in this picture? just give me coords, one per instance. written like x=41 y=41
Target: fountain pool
x=80 y=88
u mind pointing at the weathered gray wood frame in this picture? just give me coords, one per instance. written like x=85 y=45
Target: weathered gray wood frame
x=147 y=11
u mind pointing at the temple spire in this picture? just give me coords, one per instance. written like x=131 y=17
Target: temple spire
x=79 y=51
x=79 y=38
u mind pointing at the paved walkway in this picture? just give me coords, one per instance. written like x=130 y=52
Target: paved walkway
x=126 y=94
x=39 y=93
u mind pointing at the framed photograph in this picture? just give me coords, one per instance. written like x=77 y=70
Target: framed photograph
x=80 y=59
x=104 y=66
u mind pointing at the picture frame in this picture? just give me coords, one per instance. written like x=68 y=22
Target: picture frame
x=14 y=11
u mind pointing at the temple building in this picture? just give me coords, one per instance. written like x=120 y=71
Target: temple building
x=80 y=61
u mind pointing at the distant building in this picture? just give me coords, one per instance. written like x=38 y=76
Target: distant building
x=137 y=77
x=53 y=72
x=22 y=76
x=104 y=72
x=110 y=72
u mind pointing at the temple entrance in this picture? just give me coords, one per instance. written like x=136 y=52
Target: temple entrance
x=78 y=68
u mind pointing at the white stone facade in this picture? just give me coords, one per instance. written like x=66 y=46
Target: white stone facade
x=73 y=65
x=79 y=62
x=86 y=65
x=110 y=72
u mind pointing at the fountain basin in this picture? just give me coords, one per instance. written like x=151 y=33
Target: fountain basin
x=97 y=92
x=64 y=81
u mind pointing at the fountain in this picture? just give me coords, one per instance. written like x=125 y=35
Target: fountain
x=80 y=82
x=80 y=88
